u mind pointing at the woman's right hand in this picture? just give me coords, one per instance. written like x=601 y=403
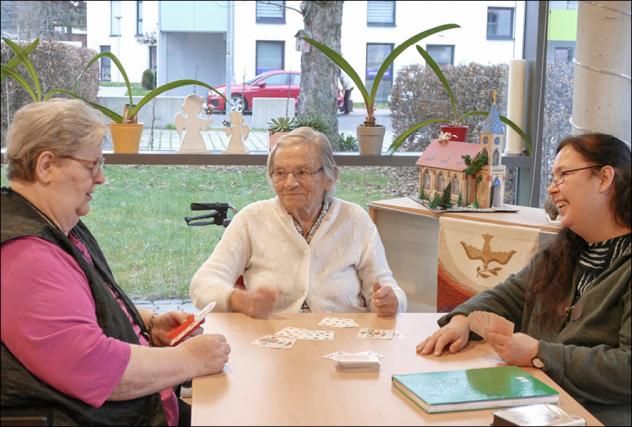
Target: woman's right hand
x=258 y=303
x=455 y=335
x=206 y=354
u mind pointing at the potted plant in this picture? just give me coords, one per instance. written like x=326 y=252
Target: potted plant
x=454 y=122
x=278 y=127
x=370 y=134
x=126 y=130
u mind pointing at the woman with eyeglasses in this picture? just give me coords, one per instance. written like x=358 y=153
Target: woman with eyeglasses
x=303 y=250
x=74 y=347
x=571 y=304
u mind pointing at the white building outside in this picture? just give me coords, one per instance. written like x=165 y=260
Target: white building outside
x=191 y=35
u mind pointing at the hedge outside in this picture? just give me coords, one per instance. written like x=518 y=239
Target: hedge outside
x=57 y=65
x=418 y=95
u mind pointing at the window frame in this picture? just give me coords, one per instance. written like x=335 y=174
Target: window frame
x=452 y=49
x=278 y=42
x=112 y=18
x=382 y=24
x=139 y=17
x=269 y=20
x=105 y=60
x=511 y=36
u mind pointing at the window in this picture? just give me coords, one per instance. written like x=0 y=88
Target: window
x=375 y=55
x=271 y=12
x=115 y=18
x=443 y=54
x=139 y=17
x=296 y=79
x=152 y=58
x=106 y=65
x=427 y=180
x=500 y=23
x=455 y=185
x=563 y=55
x=276 y=80
x=269 y=56
x=440 y=182
x=380 y=13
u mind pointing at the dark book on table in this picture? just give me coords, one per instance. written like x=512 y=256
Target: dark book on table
x=472 y=389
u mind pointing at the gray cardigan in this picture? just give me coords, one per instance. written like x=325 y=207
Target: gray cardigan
x=587 y=354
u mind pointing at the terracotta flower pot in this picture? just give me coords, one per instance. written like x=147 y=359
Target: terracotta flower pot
x=459 y=133
x=273 y=138
x=126 y=137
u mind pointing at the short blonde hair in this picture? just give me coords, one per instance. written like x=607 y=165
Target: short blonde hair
x=61 y=126
x=310 y=137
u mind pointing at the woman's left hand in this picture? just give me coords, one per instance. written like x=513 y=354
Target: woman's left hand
x=165 y=323
x=384 y=300
x=516 y=349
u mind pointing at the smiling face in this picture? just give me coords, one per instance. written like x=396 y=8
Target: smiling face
x=302 y=196
x=71 y=186
x=580 y=198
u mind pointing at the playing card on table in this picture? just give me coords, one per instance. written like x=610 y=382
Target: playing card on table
x=338 y=322
x=274 y=341
x=305 y=334
x=382 y=334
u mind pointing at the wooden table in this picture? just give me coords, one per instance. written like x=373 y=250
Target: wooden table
x=410 y=235
x=266 y=386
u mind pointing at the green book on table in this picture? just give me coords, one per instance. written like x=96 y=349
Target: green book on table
x=473 y=389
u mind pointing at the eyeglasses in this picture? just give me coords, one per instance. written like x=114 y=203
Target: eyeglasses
x=95 y=166
x=558 y=178
x=301 y=174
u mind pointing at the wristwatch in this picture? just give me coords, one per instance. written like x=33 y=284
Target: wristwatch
x=536 y=362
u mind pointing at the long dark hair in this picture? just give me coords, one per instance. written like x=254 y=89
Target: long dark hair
x=554 y=266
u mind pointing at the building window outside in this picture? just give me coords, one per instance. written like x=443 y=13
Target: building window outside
x=443 y=54
x=152 y=59
x=500 y=23
x=105 y=65
x=380 y=13
x=115 y=18
x=375 y=55
x=563 y=54
x=139 y=17
x=270 y=12
x=269 y=56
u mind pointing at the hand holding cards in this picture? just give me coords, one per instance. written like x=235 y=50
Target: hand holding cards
x=482 y=321
x=190 y=325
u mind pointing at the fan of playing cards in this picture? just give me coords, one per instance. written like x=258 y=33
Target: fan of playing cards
x=482 y=322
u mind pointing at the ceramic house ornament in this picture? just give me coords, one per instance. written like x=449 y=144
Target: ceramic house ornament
x=190 y=125
x=238 y=133
x=466 y=174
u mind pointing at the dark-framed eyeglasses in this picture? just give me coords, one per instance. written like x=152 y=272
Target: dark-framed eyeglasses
x=559 y=177
x=301 y=174
x=95 y=166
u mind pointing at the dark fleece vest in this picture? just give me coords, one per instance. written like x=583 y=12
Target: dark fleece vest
x=20 y=388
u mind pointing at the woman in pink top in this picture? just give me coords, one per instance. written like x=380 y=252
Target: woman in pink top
x=73 y=344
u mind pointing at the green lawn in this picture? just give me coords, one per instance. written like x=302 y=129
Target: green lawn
x=138 y=217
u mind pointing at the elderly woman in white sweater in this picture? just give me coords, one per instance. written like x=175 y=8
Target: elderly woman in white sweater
x=303 y=250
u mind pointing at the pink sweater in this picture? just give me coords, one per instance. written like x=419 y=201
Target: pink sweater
x=49 y=324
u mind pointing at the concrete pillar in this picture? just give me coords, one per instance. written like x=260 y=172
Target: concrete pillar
x=601 y=99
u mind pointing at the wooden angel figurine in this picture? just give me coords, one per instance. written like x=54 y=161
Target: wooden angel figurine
x=189 y=126
x=238 y=133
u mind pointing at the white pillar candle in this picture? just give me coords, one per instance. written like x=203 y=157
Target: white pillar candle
x=515 y=104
